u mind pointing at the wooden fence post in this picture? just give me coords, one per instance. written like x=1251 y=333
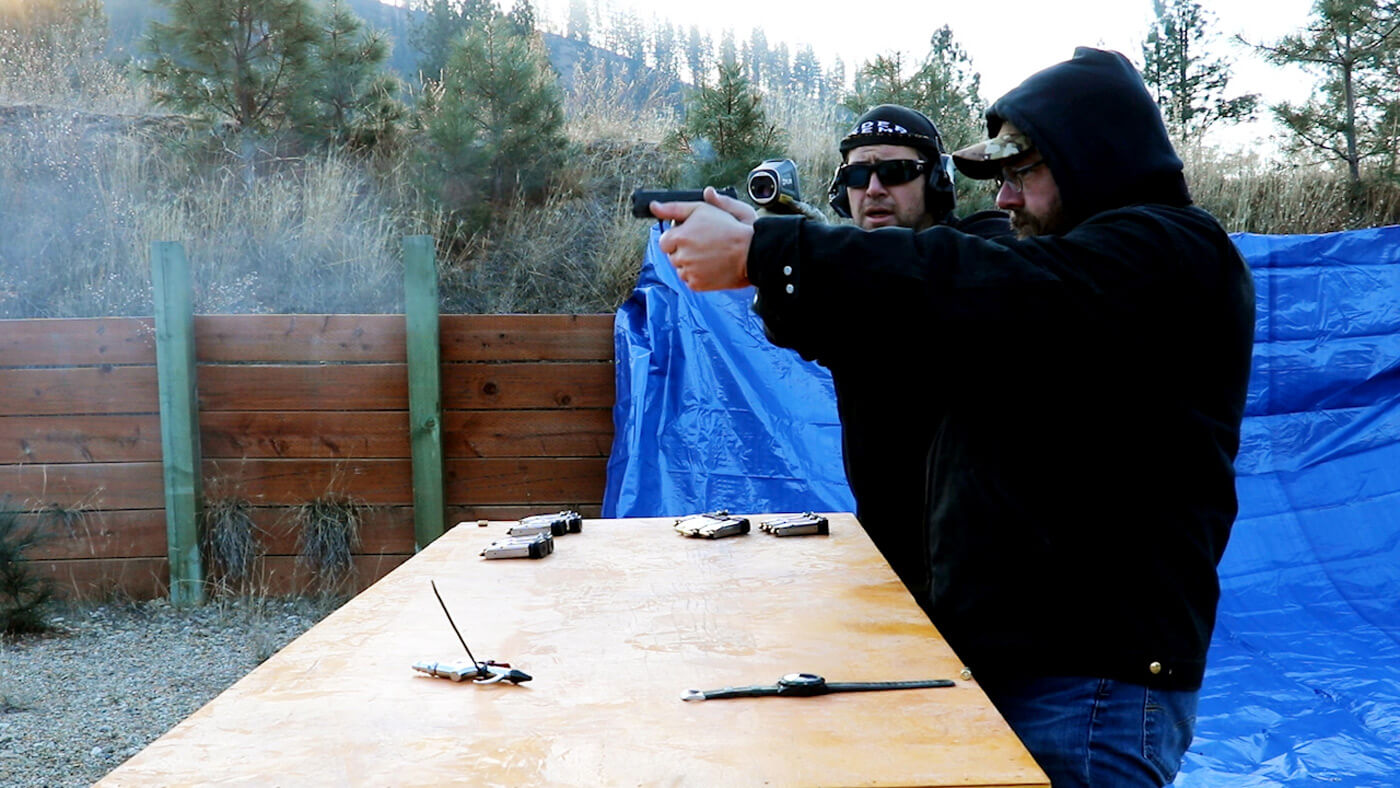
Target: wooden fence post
x=179 y=419
x=424 y=388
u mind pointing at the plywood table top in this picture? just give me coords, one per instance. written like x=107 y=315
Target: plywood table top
x=614 y=626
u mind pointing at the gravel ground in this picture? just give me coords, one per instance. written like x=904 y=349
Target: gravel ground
x=110 y=679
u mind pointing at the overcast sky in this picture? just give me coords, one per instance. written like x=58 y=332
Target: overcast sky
x=1006 y=39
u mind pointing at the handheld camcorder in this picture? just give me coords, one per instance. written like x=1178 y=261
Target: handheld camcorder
x=773 y=185
x=773 y=189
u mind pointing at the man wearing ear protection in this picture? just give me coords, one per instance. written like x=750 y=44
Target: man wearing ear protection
x=1091 y=376
x=894 y=173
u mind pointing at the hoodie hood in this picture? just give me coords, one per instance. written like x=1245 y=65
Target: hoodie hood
x=1100 y=132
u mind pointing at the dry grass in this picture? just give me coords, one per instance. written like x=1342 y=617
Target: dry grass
x=813 y=131
x=85 y=195
x=70 y=79
x=603 y=106
x=1252 y=194
x=328 y=531
x=89 y=177
x=230 y=541
x=67 y=186
x=547 y=254
x=313 y=234
x=578 y=251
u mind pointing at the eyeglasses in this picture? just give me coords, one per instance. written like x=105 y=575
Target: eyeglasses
x=1017 y=177
x=892 y=172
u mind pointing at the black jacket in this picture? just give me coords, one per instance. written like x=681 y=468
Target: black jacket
x=1090 y=390
x=886 y=398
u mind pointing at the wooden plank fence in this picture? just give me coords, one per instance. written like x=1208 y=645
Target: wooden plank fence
x=293 y=408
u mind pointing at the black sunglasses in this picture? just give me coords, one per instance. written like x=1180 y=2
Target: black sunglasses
x=892 y=172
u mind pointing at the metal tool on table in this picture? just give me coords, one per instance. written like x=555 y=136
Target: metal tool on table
x=796 y=525
x=536 y=545
x=804 y=685
x=715 y=525
x=568 y=522
x=480 y=672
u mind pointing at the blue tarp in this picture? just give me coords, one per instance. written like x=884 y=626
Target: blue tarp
x=1303 y=680
x=709 y=414
x=1303 y=683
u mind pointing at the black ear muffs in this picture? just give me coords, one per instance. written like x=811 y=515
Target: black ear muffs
x=940 y=198
x=939 y=195
x=838 y=198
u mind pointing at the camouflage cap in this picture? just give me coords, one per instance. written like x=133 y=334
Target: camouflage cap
x=983 y=161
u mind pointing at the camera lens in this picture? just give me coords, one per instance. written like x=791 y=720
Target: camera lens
x=763 y=187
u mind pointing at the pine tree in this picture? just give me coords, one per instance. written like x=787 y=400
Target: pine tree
x=807 y=72
x=495 y=129
x=235 y=60
x=443 y=25
x=697 y=55
x=834 y=81
x=25 y=592
x=522 y=17
x=665 y=54
x=944 y=86
x=756 y=57
x=726 y=131
x=728 y=52
x=1381 y=93
x=881 y=81
x=580 y=27
x=1350 y=42
x=779 y=68
x=951 y=90
x=1189 y=85
x=348 y=97
x=626 y=35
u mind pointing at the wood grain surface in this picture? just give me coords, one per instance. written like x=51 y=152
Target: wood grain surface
x=614 y=626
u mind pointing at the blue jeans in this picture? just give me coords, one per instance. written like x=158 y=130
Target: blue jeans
x=1099 y=733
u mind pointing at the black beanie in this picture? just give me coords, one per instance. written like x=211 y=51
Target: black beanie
x=891 y=124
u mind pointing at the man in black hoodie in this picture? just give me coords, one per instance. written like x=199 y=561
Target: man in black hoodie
x=1092 y=383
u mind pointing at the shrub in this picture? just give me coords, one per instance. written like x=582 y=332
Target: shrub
x=495 y=125
x=726 y=130
x=231 y=60
x=328 y=533
x=348 y=98
x=24 y=594
x=229 y=537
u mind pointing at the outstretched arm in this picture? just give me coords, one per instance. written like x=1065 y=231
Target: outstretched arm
x=708 y=242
